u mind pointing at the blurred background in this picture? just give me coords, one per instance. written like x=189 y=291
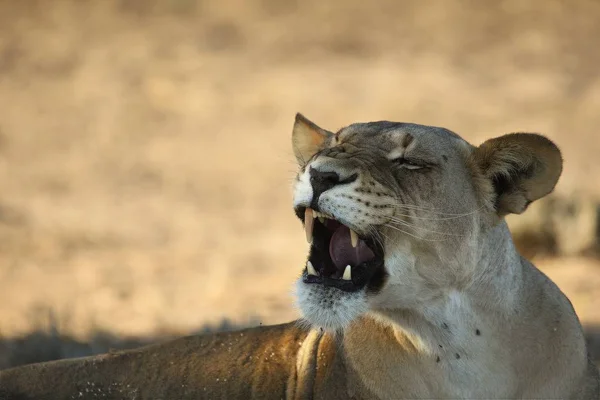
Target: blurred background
x=145 y=159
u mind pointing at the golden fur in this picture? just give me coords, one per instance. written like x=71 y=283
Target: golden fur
x=457 y=314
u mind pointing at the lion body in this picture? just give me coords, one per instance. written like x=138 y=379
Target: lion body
x=370 y=361
x=456 y=313
x=257 y=362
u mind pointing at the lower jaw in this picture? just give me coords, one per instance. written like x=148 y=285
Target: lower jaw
x=346 y=286
x=366 y=276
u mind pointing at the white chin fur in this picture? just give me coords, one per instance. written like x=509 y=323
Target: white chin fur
x=329 y=308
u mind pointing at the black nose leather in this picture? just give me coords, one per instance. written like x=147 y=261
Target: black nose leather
x=322 y=181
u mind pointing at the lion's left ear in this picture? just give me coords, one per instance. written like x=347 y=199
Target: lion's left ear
x=521 y=167
x=308 y=139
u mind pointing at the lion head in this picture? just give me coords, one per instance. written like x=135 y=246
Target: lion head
x=398 y=214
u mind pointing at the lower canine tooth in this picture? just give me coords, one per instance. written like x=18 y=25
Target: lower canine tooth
x=347 y=273
x=310 y=269
x=308 y=224
x=353 y=238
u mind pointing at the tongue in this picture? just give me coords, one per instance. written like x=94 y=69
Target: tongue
x=342 y=253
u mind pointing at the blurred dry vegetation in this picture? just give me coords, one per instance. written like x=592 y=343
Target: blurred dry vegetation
x=145 y=165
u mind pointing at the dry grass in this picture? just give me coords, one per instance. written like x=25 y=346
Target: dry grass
x=145 y=163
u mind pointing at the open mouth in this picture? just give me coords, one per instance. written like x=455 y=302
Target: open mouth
x=340 y=257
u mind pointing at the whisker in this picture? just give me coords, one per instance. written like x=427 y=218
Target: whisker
x=451 y=215
x=377 y=236
x=413 y=207
x=412 y=226
x=431 y=218
x=410 y=234
x=396 y=216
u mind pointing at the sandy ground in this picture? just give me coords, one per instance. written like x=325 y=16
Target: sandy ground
x=145 y=160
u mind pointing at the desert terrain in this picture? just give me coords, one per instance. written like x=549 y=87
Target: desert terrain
x=145 y=158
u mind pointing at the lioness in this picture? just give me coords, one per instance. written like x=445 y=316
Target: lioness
x=412 y=288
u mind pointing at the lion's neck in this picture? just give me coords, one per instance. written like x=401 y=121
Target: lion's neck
x=499 y=272
x=449 y=337
x=453 y=315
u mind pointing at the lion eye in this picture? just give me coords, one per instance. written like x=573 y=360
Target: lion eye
x=408 y=164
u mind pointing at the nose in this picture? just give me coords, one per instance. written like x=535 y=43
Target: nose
x=322 y=181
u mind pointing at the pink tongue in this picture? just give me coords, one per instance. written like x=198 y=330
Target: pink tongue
x=342 y=253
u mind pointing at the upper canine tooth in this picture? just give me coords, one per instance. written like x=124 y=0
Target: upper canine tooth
x=310 y=269
x=308 y=224
x=347 y=273
x=322 y=219
x=353 y=238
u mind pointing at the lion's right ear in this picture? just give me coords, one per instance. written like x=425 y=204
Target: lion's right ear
x=308 y=139
x=518 y=168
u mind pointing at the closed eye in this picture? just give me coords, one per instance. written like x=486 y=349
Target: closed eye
x=408 y=163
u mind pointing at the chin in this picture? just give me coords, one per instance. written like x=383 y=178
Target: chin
x=343 y=269
x=327 y=307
